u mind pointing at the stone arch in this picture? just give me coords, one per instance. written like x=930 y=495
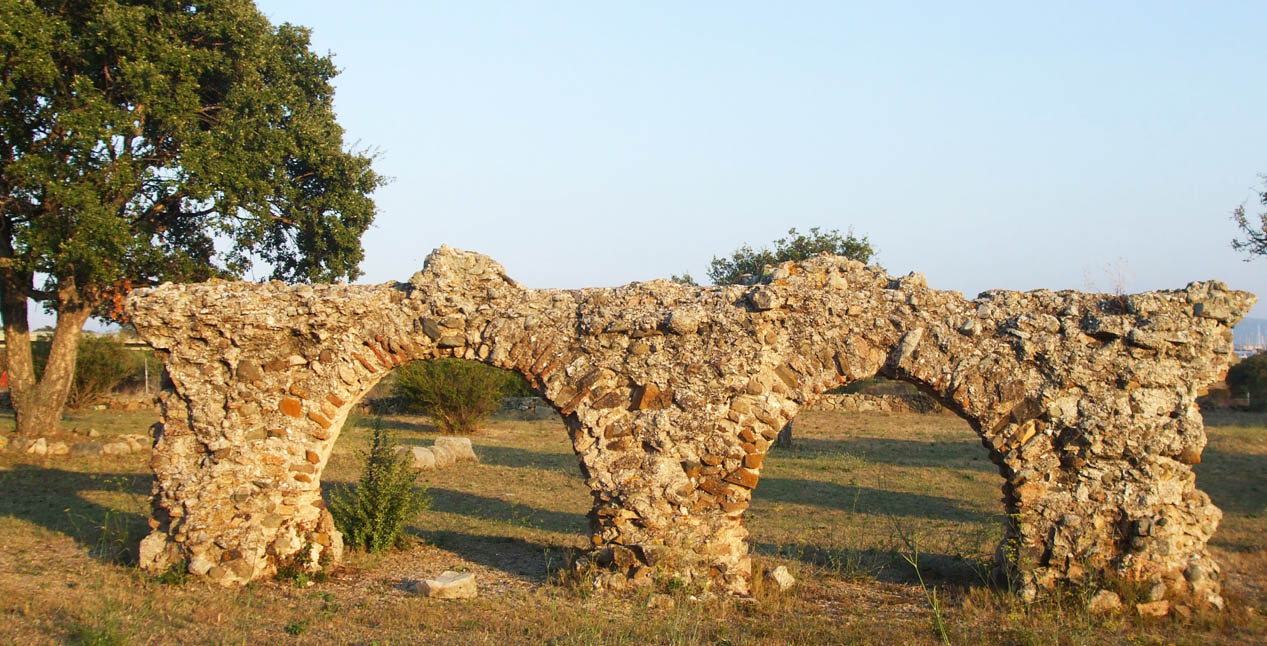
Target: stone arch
x=672 y=395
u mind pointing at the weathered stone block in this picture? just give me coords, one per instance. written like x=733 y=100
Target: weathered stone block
x=449 y=585
x=460 y=447
x=419 y=457
x=781 y=578
x=86 y=449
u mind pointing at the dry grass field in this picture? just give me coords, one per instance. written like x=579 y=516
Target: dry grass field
x=848 y=510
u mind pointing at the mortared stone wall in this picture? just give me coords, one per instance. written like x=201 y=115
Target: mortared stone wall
x=672 y=395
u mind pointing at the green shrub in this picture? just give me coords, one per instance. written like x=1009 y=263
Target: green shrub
x=456 y=393
x=102 y=362
x=1248 y=381
x=140 y=362
x=373 y=515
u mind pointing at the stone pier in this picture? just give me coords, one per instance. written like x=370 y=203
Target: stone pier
x=672 y=395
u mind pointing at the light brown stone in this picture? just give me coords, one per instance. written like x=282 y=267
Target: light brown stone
x=1153 y=608
x=654 y=374
x=449 y=585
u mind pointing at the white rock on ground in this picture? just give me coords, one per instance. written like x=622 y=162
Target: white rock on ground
x=37 y=447
x=460 y=447
x=781 y=577
x=58 y=448
x=420 y=457
x=444 y=456
x=449 y=585
x=116 y=448
x=137 y=442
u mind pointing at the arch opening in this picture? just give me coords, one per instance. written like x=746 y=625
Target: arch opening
x=868 y=483
x=672 y=396
x=516 y=512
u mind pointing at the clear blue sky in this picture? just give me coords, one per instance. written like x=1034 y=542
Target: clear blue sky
x=1000 y=145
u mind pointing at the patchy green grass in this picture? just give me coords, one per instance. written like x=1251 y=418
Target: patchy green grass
x=842 y=510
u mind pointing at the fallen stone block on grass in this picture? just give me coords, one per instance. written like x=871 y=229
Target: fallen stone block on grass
x=116 y=448
x=444 y=456
x=460 y=447
x=449 y=585
x=38 y=446
x=58 y=448
x=781 y=578
x=86 y=449
x=420 y=457
x=137 y=442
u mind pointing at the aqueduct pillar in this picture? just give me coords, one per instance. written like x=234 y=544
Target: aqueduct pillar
x=672 y=395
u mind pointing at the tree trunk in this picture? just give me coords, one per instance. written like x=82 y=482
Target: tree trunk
x=38 y=405
x=784 y=439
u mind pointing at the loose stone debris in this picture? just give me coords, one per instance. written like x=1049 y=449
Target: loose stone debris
x=672 y=395
x=1104 y=601
x=449 y=585
x=125 y=444
x=1153 y=608
x=781 y=578
x=446 y=452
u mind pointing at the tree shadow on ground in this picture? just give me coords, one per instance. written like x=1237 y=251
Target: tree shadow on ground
x=955 y=454
x=864 y=500
x=472 y=505
x=515 y=556
x=888 y=566
x=50 y=498
x=1234 y=481
x=506 y=456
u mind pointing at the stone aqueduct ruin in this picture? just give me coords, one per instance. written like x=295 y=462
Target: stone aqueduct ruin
x=672 y=394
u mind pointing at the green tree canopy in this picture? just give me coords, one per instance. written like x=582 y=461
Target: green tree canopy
x=796 y=246
x=1248 y=379
x=151 y=141
x=746 y=261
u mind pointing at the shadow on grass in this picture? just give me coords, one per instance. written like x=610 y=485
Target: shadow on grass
x=51 y=499
x=1234 y=480
x=506 y=456
x=883 y=565
x=494 y=509
x=515 y=556
x=961 y=454
x=865 y=500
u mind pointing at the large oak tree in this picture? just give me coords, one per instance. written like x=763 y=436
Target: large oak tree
x=159 y=141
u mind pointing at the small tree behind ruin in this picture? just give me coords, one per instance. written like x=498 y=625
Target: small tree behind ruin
x=746 y=261
x=458 y=394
